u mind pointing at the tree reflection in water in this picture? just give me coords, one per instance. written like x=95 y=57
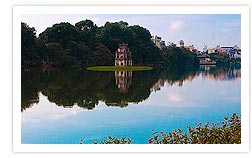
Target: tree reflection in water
x=87 y=88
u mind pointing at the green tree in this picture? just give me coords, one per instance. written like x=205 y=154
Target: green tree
x=101 y=55
x=221 y=59
x=61 y=33
x=112 y=34
x=179 y=58
x=87 y=32
x=29 y=53
x=80 y=51
x=54 y=51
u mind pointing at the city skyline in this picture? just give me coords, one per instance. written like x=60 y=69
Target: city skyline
x=193 y=29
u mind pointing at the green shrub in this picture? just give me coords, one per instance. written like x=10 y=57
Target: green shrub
x=114 y=140
x=229 y=132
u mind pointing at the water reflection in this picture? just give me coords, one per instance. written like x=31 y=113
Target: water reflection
x=220 y=74
x=85 y=89
x=123 y=80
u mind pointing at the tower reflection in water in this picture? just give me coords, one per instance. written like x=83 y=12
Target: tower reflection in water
x=123 y=80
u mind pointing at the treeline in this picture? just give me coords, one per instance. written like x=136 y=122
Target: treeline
x=224 y=60
x=179 y=58
x=85 y=44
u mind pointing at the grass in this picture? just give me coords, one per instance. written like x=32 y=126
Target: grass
x=119 y=68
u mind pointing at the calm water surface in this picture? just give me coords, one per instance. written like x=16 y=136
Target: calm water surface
x=60 y=107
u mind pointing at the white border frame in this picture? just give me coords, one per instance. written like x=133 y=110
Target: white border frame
x=18 y=11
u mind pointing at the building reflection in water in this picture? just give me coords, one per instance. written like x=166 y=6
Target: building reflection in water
x=221 y=74
x=157 y=86
x=209 y=72
x=123 y=80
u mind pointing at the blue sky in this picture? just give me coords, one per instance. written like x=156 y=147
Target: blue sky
x=194 y=29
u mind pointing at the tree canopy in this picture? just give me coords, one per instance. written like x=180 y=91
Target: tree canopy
x=84 y=44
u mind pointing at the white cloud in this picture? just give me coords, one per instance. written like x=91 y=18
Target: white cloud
x=176 y=24
x=174 y=97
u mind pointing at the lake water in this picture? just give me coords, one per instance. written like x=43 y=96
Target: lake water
x=60 y=107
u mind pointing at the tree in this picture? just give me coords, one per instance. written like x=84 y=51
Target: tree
x=87 y=31
x=101 y=55
x=61 y=33
x=29 y=54
x=54 y=51
x=88 y=45
x=28 y=35
x=85 y=25
x=221 y=59
x=179 y=59
x=80 y=51
x=143 y=49
x=112 y=34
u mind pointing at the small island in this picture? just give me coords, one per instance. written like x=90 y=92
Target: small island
x=123 y=62
x=119 y=68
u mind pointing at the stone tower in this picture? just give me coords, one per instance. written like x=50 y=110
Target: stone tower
x=123 y=56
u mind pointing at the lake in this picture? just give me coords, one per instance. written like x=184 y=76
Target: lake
x=61 y=107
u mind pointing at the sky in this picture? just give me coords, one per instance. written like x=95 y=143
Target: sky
x=195 y=29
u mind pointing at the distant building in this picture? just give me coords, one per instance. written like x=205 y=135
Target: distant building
x=123 y=56
x=217 y=48
x=237 y=55
x=228 y=49
x=157 y=86
x=210 y=50
x=205 y=49
x=236 y=47
x=233 y=52
x=191 y=48
x=162 y=44
x=158 y=42
x=181 y=43
x=237 y=51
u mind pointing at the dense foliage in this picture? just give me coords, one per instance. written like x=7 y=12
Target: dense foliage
x=29 y=46
x=179 y=58
x=221 y=59
x=114 y=140
x=84 y=44
x=229 y=132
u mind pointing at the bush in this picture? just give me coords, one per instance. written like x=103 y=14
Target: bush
x=114 y=140
x=229 y=132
